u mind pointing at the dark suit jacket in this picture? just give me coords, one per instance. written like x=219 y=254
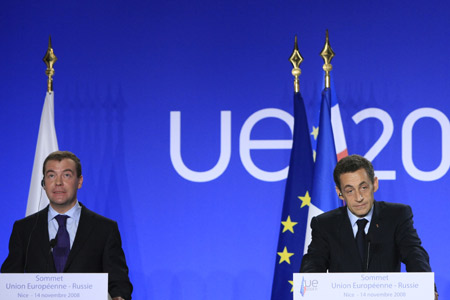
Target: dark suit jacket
x=392 y=237
x=97 y=248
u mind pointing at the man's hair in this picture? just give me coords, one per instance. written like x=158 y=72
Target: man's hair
x=350 y=164
x=59 y=156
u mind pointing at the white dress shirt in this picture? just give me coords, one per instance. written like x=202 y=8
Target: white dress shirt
x=72 y=222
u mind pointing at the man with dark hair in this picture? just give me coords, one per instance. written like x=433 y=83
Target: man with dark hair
x=59 y=156
x=365 y=235
x=352 y=164
x=66 y=236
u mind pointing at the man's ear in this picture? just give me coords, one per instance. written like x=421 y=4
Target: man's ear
x=375 y=184
x=80 y=181
x=339 y=193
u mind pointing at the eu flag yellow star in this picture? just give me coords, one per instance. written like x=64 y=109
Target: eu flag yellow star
x=285 y=256
x=315 y=132
x=306 y=200
x=292 y=283
x=288 y=225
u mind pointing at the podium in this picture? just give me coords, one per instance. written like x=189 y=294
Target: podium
x=56 y=286
x=364 y=286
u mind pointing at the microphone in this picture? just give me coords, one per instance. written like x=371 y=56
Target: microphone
x=368 y=252
x=52 y=244
x=50 y=256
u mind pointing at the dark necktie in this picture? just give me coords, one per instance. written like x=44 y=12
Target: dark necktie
x=361 y=237
x=62 y=247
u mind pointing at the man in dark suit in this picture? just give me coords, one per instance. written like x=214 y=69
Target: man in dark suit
x=84 y=242
x=365 y=235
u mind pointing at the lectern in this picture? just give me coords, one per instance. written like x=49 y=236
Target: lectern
x=364 y=286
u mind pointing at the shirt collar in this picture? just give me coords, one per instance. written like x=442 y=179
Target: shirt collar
x=72 y=213
x=354 y=218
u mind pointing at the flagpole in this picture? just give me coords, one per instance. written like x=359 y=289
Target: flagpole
x=296 y=59
x=294 y=215
x=50 y=59
x=327 y=55
x=46 y=142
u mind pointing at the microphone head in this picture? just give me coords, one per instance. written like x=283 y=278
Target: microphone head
x=52 y=243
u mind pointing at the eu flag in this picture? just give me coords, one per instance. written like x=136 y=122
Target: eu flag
x=295 y=207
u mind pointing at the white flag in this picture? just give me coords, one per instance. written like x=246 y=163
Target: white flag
x=46 y=144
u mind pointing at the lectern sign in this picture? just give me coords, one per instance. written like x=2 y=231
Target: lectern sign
x=54 y=286
x=365 y=286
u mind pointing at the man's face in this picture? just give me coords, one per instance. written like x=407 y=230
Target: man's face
x=357 y=191
x=61 y=184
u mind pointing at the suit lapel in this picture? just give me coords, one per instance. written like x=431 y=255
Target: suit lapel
x=348 y=239
x=85 y=227
x=374 y=230
x=40 y=241
x=41 y=233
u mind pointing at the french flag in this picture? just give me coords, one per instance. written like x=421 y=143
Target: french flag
x=331 y=147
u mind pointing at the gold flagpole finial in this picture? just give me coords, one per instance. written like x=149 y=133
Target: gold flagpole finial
x=50 y=60
x=296 y=59
x=327 y=55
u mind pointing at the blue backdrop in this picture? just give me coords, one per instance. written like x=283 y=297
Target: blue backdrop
x=126 y=67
